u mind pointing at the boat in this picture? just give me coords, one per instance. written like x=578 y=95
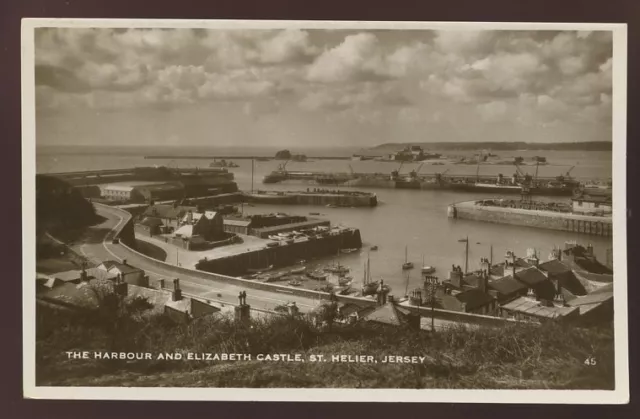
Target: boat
x=295 y=282
x=260 y=270
x=428 y=269
x=223 y=163
x=344 y=281
x=275 y=277
x=337 y=269
x=374 y=248
x=314 y=213
x=406 y=265
x=298 y=270
x=348 y=250
x=318 y=276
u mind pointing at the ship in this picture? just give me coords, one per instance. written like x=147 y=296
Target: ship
x=223 y=163
x=518 y=184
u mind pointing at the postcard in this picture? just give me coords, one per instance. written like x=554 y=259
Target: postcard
x=324 y=211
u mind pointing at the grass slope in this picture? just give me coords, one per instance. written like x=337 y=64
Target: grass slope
x=551 y=356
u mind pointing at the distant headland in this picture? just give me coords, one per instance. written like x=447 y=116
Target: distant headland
x=502 y=145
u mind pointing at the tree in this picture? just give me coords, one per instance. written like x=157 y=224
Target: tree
x=283 y=155
x=431 y=299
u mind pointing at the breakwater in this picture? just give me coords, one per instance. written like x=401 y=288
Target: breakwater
x=586 y=224
x=320 y=197
x=282 y=255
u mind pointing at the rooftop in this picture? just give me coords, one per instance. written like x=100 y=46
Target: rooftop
x=531 y=276
x=151 y=222
x=167 y=211
x=506 y=285
x=535 y=308
x=474 y=298
x=386 y=314
x=123 y=268
x=554 y=267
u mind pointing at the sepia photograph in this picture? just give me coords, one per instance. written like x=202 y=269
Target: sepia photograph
x=308 y=210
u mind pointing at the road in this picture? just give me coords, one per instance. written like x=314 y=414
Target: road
x=96 y=245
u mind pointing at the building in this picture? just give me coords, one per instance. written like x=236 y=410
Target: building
x=596 y=307
x=170 y=214
x=117 y=192
x=237 y=225
x=265 y=225
x=160 y=192
x=507 y=289
x=87 y=295
x=199 y=231
x=208 y=224
x=592 y=201
x=129 y=274
x=534 y=310
x=149 y=226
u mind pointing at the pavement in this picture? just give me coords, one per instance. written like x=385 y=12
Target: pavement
x=96 y=245
x=189 y=258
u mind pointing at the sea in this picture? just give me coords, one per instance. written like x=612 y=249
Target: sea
x=409 y=225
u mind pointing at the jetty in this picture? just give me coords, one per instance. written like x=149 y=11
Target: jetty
x=548 y=216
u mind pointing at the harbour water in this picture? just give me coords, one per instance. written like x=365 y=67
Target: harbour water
x=404 y=218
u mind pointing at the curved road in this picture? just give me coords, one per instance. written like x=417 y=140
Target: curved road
x=96 y=245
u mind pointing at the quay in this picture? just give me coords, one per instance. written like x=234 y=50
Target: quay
x=264 y=158
x=315 y=196
x=540 y=217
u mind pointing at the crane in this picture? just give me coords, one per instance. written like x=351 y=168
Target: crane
x=283 y=166
x=414 y=173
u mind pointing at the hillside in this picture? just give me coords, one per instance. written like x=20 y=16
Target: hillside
x=577 y=146
x=551 y=356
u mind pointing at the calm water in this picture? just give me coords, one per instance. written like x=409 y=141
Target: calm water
x=416 y=220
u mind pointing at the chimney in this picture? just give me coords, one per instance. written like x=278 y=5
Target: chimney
x=176 y=294
x=83 y=275
x=463 y=307
x=483 y=283
x=124 y=261
x=455 y=277
x=120 y=287
x=589 y=250
x=532 y=257
x=190 y=217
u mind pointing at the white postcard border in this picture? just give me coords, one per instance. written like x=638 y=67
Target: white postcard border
x=619 y=102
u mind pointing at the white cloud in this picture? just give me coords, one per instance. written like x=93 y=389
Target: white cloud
x=357 y=58
x=493 y=111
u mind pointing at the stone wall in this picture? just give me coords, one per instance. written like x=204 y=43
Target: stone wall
x=601 y=226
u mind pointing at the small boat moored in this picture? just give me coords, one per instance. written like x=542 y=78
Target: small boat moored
x=428 y=269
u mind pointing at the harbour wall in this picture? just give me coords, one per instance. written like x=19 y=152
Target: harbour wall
x=302 y=198
x=600 y=226
x=283 y=255
x=178 y=271
x=288 y=198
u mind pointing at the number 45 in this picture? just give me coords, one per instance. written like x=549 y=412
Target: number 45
x=590 y=361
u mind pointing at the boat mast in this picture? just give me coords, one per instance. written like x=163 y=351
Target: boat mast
x=406 y=258
x=466 y=255
x=252 y=162
x=491 y=258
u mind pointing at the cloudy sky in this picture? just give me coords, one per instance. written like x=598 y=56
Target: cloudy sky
x=320 y=87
